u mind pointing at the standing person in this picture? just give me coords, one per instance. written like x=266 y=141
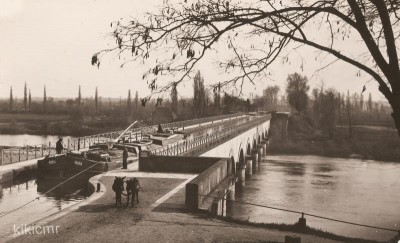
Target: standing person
x=125 y=158
x=59 y=146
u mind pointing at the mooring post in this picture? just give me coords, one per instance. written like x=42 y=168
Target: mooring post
x=19 y=154
x=27 y=152
x=35 y=151
x=302 y=222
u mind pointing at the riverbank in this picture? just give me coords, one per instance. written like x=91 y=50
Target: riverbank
x=53 y=124
x=382 y=150
x=365 y=143
x=148 y=221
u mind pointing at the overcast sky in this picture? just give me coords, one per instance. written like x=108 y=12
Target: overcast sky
x=50 y=42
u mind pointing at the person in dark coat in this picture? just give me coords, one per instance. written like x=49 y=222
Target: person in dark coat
x=125 y=158
x=59 y=146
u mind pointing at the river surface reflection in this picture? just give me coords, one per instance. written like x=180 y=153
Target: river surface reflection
x=365 y=192
x=17 y=193
x=26 y=139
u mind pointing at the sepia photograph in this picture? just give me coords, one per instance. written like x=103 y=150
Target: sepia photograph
x=200 y=121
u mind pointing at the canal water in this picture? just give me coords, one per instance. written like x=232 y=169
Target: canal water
x=26 y=139
x=364 y=192
x=18 y=193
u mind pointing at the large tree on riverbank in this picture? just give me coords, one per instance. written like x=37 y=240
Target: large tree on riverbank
x=296 y=90
x=189 y=29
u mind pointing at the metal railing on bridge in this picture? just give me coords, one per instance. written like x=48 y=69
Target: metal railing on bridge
x=199 y=143
x=29 y=152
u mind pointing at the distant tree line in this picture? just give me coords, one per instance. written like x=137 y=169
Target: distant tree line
x=330 y=109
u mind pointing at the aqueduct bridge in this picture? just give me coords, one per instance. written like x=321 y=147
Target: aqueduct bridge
x=223 y=153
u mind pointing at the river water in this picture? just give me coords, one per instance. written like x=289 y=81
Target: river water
x=26 y=139
x=16 y=194
x=364 y=192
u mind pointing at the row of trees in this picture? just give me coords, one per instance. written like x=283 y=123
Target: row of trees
x=27 y=102
x=49 y=105
x=330 y=108
x=206 y=102
x=27 y=105
x=203 y=103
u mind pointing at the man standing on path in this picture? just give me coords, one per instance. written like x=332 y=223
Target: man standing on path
x=125 y=158
x=59 y=146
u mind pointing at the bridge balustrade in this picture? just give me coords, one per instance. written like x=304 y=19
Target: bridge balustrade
x=200 y=142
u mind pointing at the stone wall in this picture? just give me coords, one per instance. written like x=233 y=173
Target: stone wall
x=176 y=164
x=206 y=182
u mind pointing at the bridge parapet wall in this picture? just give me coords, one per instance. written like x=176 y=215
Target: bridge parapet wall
x=176 y=164
x=201 y=186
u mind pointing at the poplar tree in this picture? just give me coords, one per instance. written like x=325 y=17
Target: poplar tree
x=44 y=99
x=11 y=103
x=25 y=97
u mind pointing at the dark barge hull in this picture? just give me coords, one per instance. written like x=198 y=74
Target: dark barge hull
x=64 y=166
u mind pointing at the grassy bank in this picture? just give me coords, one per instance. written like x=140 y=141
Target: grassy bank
x=366 y=143
x=64 y=125
x=296 y=229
